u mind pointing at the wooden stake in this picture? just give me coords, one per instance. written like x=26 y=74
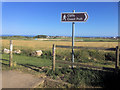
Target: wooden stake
x=10 y=57
x=53 y=62
x=117 y=57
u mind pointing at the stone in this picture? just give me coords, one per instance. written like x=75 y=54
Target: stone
x=6 y=50
x=39 y=53
x=36 y=53
x=17 y=51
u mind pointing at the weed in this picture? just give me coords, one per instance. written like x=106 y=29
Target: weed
x=83 y=78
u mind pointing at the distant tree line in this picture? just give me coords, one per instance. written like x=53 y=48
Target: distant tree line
x=15 y=37
x=41 y=36
x=23 y=37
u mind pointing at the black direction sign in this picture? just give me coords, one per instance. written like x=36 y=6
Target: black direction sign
x=74 y=17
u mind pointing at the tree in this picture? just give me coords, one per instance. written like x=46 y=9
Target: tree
x=41 y=36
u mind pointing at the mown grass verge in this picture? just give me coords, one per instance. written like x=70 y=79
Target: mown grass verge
x=26 y=61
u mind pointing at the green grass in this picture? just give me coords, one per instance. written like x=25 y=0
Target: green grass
x=87 y=57
x=78 y=77
x=27 y=60
x=82 y=78
x=30 y=61
x=96 y=40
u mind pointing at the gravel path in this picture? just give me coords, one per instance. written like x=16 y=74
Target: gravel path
x=16 y=79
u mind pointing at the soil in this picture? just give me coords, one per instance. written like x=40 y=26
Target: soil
x=16 y=79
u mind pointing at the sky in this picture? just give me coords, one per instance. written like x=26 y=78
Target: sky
x=44 y=18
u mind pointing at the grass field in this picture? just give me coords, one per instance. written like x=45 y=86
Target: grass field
x=61 y=53
x=25 y=60
x=78 y=77
x=44 y=62
x=47 y=45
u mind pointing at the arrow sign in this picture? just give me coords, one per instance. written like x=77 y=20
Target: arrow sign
x=74 y=17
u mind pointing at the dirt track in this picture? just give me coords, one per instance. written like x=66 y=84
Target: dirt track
x=15 y=79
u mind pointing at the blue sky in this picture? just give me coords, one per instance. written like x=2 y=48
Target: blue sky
x=33 y=18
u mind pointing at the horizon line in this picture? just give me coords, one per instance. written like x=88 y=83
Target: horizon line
x=60 y=35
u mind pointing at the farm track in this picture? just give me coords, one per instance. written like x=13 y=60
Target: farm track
x=15 y=79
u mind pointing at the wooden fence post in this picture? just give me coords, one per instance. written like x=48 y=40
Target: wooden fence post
x=53 y=62
x=117 y=57
x=10 y=57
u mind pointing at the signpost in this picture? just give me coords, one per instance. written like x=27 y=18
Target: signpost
x=74 y=17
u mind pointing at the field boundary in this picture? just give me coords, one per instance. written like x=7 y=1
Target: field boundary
x=85 y=66
x=78 y=64
x=75 y=47
x=80 y=47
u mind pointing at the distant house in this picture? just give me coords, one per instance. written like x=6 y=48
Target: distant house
x=48 y=37
x=114 y=37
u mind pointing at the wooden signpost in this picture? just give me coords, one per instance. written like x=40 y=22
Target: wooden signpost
x=53 y=62
x=10 y=57
x=117 y=57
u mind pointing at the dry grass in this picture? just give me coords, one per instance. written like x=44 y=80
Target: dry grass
x=47 y=45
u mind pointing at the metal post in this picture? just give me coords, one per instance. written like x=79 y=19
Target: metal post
x=73 y=25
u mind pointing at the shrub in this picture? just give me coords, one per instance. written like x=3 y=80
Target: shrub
x=85 y=54
x=26 y=52
x=53 y=74
x=57 y=72
x=63 y=56
x=81 y=55
x=95 y=54
x=67 y=56
x=46 y=54
x=110 y=56
x=49 y=72
x=66 y=70
x=83 y=78
x=41 y=36
x=59 y=57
